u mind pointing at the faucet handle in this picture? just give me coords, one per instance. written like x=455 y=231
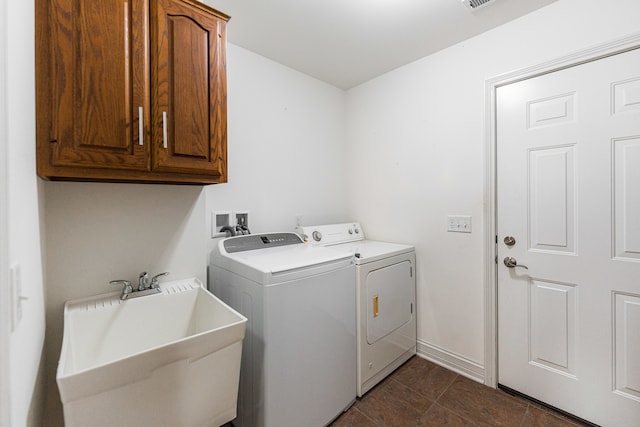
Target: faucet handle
x=154 y=280
x=126 y=287
x=143 y=279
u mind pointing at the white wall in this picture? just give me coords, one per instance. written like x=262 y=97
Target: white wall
x=24 y=206
x=416 y=153
x=286 y=146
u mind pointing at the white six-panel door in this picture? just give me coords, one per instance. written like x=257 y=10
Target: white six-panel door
x=568 y=193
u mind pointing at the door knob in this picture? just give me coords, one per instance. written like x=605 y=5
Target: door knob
x=511 y=262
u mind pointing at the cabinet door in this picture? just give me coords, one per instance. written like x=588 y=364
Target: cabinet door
x=99 y=83
x=189 y=89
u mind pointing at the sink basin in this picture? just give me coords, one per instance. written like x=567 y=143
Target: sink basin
x=169 y=359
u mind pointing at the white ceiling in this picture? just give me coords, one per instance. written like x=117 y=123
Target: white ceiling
x=347 y=42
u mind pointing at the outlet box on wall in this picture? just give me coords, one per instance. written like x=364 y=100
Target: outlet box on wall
x=242 y=218
x=219 y=219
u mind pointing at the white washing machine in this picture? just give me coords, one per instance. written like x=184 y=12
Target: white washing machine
x=299 y=354
x=385 y=295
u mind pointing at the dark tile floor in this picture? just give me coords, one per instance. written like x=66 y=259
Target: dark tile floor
x=421 y=393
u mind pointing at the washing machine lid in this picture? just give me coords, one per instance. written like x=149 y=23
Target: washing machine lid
x=282 y=259
x=275 y=257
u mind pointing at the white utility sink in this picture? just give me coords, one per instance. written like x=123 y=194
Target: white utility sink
x=169 y=359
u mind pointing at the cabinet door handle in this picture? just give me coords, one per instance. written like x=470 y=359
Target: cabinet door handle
x=140 y=126
x=164 y=129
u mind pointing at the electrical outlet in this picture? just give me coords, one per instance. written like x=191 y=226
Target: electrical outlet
x=459 y=223
x=219 y=219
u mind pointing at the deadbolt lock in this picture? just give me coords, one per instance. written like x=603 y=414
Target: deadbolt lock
x=509 y=241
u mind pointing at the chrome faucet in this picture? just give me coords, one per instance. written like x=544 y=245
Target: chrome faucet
x=154 y=280
x=127 y=289
x=143 y=280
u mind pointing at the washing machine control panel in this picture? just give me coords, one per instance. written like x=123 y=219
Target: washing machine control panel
x=260 y=241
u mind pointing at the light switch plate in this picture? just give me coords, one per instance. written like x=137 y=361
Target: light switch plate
x=459 y=223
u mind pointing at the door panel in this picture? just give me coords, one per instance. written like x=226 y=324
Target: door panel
x=190 y=118
x=189 y=77
x=555 y=110
x=626 y=345
x=552 y=320
x=568 y=190
x=626 y=96
x=552 y=199
x=99 y=91
x=626 y=184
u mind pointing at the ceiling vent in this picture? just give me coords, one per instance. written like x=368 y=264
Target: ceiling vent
x=476 y=4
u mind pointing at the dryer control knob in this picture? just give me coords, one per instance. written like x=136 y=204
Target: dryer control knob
x=357 y=231
x=317 y=236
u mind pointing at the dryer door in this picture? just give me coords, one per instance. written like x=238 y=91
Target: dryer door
x=389 y=299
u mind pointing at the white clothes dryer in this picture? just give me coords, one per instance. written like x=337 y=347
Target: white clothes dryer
x=385 y=295
x=299 y=353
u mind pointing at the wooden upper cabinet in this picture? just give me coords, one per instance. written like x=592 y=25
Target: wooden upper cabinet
x=96 y=85
x=131 y=90
x=189 y=90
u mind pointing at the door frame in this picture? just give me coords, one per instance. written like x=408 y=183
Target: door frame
x=5 y=306
x=613 y=47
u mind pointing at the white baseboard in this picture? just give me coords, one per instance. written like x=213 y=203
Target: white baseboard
x=451 y=361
